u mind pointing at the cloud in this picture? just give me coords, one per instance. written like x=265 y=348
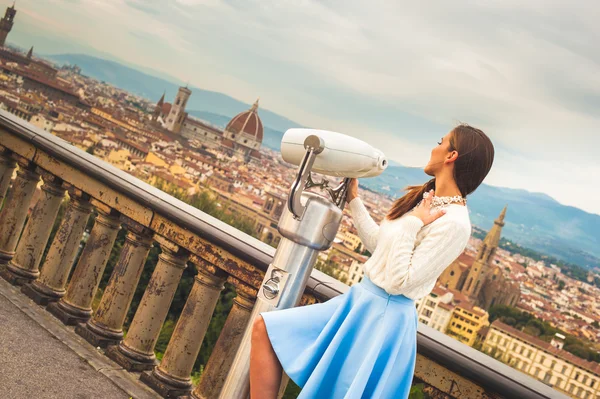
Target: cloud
x=398 y=74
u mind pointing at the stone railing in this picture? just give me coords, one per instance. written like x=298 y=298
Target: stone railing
x=185 y=235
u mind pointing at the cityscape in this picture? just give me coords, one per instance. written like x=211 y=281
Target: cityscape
x=525 y=312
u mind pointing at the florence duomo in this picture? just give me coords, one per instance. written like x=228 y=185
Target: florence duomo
x=242 y=136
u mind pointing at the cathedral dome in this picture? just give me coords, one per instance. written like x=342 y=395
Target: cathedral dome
x=248 y=123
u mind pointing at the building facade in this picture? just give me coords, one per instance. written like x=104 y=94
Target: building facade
x=545 y=361
x=465 y=323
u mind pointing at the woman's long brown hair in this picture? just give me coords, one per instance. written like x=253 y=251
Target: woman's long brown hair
x=474 y=161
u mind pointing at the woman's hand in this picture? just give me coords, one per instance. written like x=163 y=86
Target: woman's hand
x=422 y=210
x=352 y=191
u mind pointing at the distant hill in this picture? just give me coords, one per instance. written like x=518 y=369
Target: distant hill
x=533 y=220
x=152 y=87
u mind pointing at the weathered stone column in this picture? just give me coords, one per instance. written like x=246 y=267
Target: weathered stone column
x=50 y=286
x=106 y=327
x=24 y=267
x=171 y=378
x=76 y=306
x=14 y=211
x=227 y=344
x=136 y=352
x=7 y=167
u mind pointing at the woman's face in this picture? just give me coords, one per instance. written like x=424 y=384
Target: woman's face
x=438 y=155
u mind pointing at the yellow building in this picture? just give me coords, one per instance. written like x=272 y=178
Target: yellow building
x=348 y=239
x=155 y=160
x=466 y=321
x=176 y=169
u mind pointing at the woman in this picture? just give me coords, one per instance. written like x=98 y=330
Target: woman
x=362 y=344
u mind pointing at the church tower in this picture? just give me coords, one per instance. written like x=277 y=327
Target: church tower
x=480 y=267
x=158 y=108
x=6 y=23
x=177 y=113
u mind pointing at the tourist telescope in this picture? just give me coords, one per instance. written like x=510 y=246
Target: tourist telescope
x=308 y=224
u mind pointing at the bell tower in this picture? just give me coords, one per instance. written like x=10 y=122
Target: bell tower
x=6 y=23
x=480 y=267
x=177 y=114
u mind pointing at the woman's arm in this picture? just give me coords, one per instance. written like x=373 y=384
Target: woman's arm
x=368 y=229
x=408 y=266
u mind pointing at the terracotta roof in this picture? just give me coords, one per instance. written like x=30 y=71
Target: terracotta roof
x=227 y=143
x=247 y=122
x=466 y=259
x=447 y=306
x=255 y=154
x=45 y=81
x=468 y=306
x=165 y=109
x=197 y=122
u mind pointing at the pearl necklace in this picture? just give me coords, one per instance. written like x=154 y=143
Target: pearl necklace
x=441 y=202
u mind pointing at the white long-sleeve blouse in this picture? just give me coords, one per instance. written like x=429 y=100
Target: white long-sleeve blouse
x=406 y=256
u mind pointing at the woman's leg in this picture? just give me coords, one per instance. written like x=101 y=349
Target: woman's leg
x=265 y=369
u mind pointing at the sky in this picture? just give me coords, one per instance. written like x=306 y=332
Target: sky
x=396 y=74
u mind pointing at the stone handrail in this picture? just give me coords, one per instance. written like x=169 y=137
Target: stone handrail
x=185 y=234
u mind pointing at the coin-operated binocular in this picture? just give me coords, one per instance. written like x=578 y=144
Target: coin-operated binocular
x=308 y=224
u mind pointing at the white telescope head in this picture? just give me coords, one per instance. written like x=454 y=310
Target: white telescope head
x=328 y=153
x=343 y=156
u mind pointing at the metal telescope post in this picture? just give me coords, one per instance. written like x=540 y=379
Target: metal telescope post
x=308 y=225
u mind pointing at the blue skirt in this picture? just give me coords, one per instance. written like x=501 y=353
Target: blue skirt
x=362 y=344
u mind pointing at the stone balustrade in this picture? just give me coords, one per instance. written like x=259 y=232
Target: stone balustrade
x=186 y=236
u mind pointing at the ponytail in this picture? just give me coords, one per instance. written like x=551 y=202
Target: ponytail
x=409 y=200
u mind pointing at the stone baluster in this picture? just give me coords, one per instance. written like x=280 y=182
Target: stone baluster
x=24 y=267
x=227 y=344
x=76 y=306
x=172 y=377
x=136 y=351
x=7 y=167
x=14 y=211
x=50 y=286
x=106 y=327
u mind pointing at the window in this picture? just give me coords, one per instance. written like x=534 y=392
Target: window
x=558 y=382
x=585 y=378
x=542 y=359
x=564 y=369
x=514 y=347
x=553 y=364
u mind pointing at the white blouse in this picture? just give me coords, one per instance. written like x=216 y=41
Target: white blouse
x=406 y=256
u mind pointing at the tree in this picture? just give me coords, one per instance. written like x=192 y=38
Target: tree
x=561 y=285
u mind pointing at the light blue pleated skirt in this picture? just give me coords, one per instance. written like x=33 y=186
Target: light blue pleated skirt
x=362 y=344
